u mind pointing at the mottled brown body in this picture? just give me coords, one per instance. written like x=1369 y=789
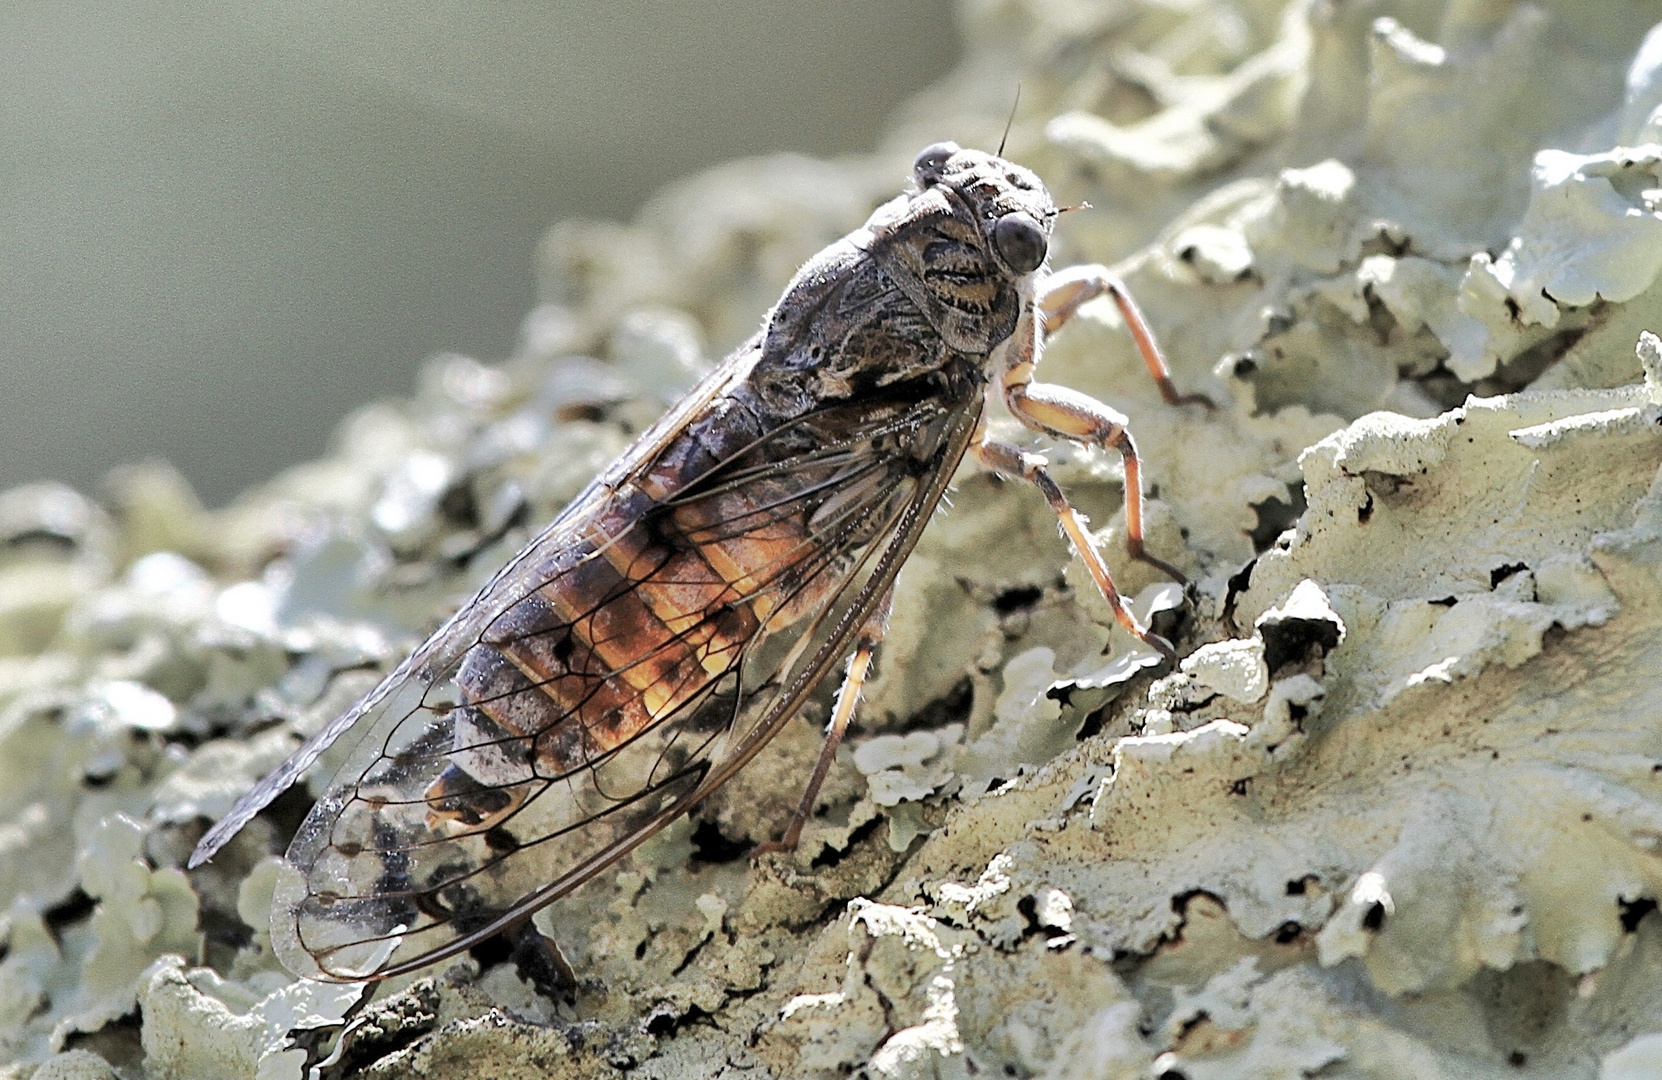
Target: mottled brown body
x=645 y=619
x=671 y=620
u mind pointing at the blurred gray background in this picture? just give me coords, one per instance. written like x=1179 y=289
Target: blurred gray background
x=223 y=225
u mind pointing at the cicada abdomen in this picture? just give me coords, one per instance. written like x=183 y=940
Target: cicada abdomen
x=607 y=683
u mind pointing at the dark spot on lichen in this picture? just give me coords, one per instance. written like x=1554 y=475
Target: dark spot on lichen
x=1276 y=516
x=1018 y=598
x=829 y=856
x=710 y=846
x=1632 y=912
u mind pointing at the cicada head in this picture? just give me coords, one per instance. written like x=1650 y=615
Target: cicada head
x=965 y=242
x=1010 y=206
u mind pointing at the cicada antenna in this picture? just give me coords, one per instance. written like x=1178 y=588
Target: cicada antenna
x=1002 y=139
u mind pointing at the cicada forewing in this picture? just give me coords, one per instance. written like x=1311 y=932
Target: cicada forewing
x=624 y=666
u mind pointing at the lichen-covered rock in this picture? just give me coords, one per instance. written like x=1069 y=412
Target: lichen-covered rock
x=1397 y=814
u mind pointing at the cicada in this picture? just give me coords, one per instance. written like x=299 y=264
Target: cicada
x=680 y=611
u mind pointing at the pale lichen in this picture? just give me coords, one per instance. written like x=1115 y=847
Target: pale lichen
x=1397 y=813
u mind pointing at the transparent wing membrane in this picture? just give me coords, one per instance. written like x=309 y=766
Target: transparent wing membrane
x=631 y=660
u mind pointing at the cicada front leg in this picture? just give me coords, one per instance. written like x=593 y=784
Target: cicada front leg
x=1013 y=462
x=1065 y=413
x=1063 y=293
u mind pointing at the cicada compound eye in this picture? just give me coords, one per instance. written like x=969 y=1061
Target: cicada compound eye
x=931 y=160
x=1020 y=242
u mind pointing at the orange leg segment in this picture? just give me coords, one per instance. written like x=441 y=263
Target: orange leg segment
x=1065 y=291
x=1013 y=462
x=848 y=696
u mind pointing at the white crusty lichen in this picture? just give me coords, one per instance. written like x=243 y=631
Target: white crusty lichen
x=1398 y=813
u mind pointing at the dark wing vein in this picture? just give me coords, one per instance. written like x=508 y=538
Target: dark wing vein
x=591 y=498
x=376 y=868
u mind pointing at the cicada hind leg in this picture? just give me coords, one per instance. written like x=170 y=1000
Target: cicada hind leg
x=870 y=636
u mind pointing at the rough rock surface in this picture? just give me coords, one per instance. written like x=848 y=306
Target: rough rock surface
x=1398 y=814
